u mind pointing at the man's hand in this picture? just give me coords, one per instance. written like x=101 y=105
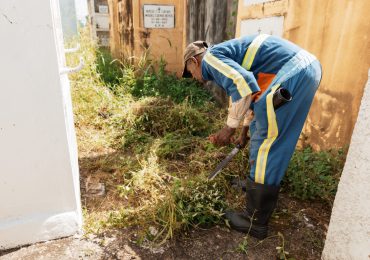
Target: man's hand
x=222 y=137
x=243 y=137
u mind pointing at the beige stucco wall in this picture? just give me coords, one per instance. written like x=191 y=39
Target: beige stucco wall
x=337 y=32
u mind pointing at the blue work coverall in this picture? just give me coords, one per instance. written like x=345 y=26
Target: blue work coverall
x=263 y=63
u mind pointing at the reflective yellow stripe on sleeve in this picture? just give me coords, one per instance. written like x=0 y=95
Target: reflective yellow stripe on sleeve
x=252 y=50
x=272 y=133
x=230 y=73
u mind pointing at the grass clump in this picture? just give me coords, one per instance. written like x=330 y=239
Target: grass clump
x=108 y=69
x=162 y=84
x=159 y=116
x=189 y=203
x=176 y=146
x=138 y=130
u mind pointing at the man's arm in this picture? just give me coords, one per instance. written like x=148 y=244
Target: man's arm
x=239 y=84
x=237 y=111
x=228 y=74
x=243 y=137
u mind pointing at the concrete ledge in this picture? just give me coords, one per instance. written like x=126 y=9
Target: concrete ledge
x=349 y=229
x=38 y=228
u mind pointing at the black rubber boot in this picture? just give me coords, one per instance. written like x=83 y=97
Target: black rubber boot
x=261 y=202
x=239 y=184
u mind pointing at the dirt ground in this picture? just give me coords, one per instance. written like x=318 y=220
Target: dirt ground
x=302 y=227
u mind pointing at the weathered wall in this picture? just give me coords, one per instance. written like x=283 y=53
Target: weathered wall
x=121 y=28
x=210 y=21
x=207 y=20
x=114 y=33
x=337 y=32
x=349 y=229
x=131 y=39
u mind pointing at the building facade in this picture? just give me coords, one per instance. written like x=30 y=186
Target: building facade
x=99 y=21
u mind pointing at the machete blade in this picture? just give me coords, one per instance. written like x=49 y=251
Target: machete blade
x=224 y=162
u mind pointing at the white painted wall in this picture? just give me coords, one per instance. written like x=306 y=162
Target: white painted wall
x=349 y=229
x=271 y=25
x=39 y=178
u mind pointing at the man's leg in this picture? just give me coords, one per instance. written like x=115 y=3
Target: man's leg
x=272 y=162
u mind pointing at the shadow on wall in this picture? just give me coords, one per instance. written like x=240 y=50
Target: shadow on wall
x=328 y=110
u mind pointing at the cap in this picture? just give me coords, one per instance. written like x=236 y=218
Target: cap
x=192 y=50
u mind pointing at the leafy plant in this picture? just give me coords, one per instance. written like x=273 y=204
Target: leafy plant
x=243 y=245
x=195 y=202
x=314 y=175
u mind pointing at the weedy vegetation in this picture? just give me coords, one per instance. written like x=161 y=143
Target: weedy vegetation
x=314 y=175
x=143 y=132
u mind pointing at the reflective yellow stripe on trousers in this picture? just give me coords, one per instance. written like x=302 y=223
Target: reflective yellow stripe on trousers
x=272 y=133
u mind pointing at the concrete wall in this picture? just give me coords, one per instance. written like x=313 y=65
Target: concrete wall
x=337 y=32
x=349 y=229
x=39 y=183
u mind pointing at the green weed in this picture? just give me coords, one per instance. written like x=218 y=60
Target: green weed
x=176 y=146
x=162 y=84
x=194 y=202
x=158 y=116
x=314 y=175
x=108 y=69
x=282 y=254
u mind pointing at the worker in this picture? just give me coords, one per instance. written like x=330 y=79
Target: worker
x=271 y=83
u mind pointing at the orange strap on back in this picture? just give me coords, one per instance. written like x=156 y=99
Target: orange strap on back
x=264 y=80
